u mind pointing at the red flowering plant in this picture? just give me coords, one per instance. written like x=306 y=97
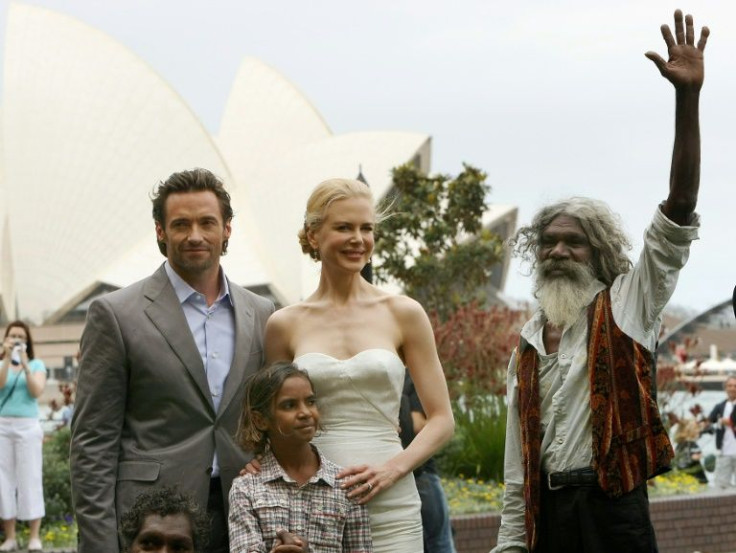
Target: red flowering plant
x=675 y=385
x=474 y=344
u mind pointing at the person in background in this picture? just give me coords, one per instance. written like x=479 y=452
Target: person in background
x=435 y=511
x=163 y=520
x=723 y=419
x=22 y=381
x=688 y=454
x=67 y=410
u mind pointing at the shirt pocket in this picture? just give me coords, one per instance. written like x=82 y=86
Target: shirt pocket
x=272 y=511
x=327 y=523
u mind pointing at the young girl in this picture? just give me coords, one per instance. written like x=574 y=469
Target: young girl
x=294 y=504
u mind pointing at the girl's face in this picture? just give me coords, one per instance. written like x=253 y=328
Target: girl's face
x=345 y=238
x=294 y=414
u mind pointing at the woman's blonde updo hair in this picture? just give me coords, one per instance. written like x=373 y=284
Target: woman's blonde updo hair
x=321 y=199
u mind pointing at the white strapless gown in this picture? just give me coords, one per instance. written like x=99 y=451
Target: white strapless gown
x=359 y=403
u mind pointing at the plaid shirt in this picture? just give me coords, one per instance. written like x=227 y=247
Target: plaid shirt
x=263 y=503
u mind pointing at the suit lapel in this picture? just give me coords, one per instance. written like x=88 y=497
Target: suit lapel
x=244 y=323
x=167 y=315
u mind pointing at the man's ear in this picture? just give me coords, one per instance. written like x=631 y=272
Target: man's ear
x=160 y=233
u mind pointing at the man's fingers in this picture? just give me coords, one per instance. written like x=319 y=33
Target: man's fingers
x=679 y=28
x=658 y=61
x=689 y=31
x=704 y=34
x=669 y=40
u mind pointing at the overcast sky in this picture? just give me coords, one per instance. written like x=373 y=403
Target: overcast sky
x=550 y=99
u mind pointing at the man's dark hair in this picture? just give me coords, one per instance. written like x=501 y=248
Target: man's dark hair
x=194 y=180
x=164 y=502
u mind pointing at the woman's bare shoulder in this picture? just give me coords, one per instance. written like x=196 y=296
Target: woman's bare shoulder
x=286 y=316
x=401 y=302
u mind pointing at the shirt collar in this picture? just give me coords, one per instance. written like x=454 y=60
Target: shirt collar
x=184 y=291
x=271 y=470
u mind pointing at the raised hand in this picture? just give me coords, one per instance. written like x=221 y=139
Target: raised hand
x=684 y=68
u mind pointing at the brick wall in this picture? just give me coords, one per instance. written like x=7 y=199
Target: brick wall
x=683 y=524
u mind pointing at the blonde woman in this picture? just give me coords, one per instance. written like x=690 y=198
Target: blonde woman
x=355 y=341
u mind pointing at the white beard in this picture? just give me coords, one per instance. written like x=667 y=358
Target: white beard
x=562 y=298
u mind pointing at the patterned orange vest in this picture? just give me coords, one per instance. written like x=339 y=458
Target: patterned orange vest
x=630 y=443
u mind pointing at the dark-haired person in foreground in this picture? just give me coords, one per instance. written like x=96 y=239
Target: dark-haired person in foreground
x=161 y=372
x=583 y=432
x=164 y=521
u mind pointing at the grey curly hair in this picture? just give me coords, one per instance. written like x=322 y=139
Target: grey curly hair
x=321 y=198
x=602 y=227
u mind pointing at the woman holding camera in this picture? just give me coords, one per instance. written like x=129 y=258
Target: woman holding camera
x=22 y=380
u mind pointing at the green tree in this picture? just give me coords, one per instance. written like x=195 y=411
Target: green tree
x=433 y=243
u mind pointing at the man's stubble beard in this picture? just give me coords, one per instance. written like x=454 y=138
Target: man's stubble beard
x=562 y=297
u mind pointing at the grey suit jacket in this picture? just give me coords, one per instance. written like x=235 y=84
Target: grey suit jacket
x=144 y=415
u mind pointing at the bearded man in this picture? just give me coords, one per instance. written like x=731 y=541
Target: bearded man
x=583 y=431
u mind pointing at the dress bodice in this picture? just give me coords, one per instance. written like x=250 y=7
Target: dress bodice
x=359 y=402
x=357 y=395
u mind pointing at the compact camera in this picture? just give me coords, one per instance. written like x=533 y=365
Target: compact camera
x=15 y=354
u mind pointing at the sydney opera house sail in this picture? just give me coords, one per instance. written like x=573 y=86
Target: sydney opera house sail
x=89 y=129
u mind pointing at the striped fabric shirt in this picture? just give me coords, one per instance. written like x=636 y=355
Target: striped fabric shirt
x=318 y=511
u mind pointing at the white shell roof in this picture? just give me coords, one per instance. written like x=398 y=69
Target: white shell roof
x=89 y=129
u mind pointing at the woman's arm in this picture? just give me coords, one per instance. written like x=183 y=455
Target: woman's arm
x=35 y=379
x=4 y=366
x=420 y=355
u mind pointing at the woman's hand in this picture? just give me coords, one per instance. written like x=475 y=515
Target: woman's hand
x=364 y=482
x=8 y=345
x=253 y=466
x=24 y=360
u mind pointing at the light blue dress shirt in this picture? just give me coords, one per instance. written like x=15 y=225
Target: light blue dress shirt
x=213 y=330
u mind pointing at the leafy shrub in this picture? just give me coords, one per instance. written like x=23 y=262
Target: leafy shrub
x=56 y=483
x=477 y=448
x=475 y=344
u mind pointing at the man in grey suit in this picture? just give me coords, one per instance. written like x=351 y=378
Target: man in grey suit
x=161 y=372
